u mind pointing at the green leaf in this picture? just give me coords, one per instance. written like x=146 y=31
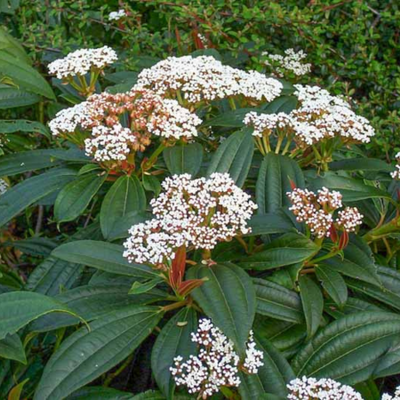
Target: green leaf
x=352 y=189
x=73 y=199
x=104 y=256
x=125 y=196
x=276 y=301
x=17 y=309
x=7 y=43
x=361 y=164
x=94 y=301
x=289 y=249
x=140 y=288
x=24 y=76
x=276 y=372
x=228 y=298
x=270 y=223
x=234 y=156
x=174 y=340
x=11 y=97
x=357 y=262
x=16 y=163
x=273 y=182
x=100 y=393
x=349 y=349
x=23 y=125
x=368 y=390
x=231 y=118
x=12 y=348
x=284 y=104
x=86 y=355
x=313 y=304
x=184 y=159
x=333 y=283
x=21 y=196
x=151 y=395
x=389 y=364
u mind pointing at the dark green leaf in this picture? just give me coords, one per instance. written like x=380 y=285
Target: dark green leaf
x=86 y=355
x=100 y=393
x=276 y=301
x=228 y=298
x=31 y=190
x=349 y=349
x=17 y=309
x=73 y=199
x=12 y=348
x=333 y=283
x=313 y=304
x=361 y=164
x=234 y=156
x=23 y=125
x=104 y=256
x=289 y=249
x=174 y=340
x=125 y=196
x=273 y=182
x=266 y=224
x=184 y=159
x=11 y=97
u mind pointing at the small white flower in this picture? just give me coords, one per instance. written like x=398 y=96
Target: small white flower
x=327 y=389
x=116 y=15
x=3 y=186
x=396 y=174
x=197 y=213
x=205 y=78
x=80 y=62
x=217 y=363
x=291 y=61
x=396 y=395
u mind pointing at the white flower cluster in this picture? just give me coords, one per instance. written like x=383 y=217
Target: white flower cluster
x=396 y=174
x=148 y=113
x=316 y=211
x=81 y=61
x=327 y=389
x=267 y=123
x=320 y=116
x=217 y=363
x=3 y=186
x=291 y=61
x=396 y=395
x=116 y=15
x=196 y=213
x=205 y=78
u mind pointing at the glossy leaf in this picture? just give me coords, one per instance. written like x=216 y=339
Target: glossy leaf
x=31 y=190
x=12 y=348
x=333 y=283
x=349 y=349
x=274 y=181
x=102 y=255
x=17 y=309
x=174 y=340
x=277 y=302
x=86 y=355
x=228 y=298
x=125 y=196
x=234 y=156
x=270 y=223
x=361 y=164
x=184 y=159
x=73 y=199
x=100 y=393
x=289 y=249
x=313 y=304
x=11 y=97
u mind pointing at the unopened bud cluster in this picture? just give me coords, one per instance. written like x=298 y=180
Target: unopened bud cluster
x=320 y=116
x=292 y=61
x=82 y=61
x=145 y=114
x=313 y=389
x=217 y=364
x=197 y=213
x=316 y=210
x=205 y=78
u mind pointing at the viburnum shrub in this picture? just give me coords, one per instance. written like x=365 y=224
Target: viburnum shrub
x=228 y=219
